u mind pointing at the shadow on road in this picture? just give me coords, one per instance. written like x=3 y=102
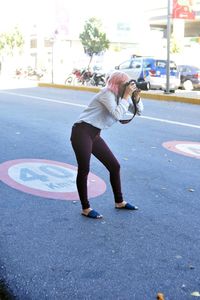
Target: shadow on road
x=5 y=293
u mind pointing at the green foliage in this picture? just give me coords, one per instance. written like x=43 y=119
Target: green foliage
x=94 y=41
x=2 y=42
x=175 y=45
x=11 y=40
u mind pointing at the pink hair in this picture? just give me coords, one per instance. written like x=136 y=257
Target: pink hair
x=115 y=80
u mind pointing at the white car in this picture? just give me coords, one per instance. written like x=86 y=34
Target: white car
x=152 y=71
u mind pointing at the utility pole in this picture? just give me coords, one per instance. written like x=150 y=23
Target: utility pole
x=168 y=47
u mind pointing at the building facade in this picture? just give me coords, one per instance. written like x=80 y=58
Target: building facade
x=52 y=33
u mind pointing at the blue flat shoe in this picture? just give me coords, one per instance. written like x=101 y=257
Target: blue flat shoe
x=93 y=214
x=128 y=206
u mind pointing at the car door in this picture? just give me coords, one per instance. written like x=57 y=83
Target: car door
x=136 y=68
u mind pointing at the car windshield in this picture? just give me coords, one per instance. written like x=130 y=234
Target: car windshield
x=161 y=64
x=124 y=65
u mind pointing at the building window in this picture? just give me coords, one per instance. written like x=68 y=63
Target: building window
x=33 y=43
x=48 y=43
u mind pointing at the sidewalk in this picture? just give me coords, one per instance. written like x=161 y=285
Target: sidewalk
x=179 y=96
x=12 y=83
x=181 y=93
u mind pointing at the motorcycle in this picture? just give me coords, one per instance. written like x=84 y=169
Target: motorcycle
x=35 y=74
x=29 y=73
x=78 y=76
x=98 y=79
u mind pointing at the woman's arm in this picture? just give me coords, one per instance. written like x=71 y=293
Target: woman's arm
x=138 y=101
x=140 y=107
x=108 y=100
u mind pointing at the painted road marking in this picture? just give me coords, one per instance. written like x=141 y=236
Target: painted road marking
x=191 y=149
x=44 y=99
x=49 y=179
x=82 y=105
x=171 y=122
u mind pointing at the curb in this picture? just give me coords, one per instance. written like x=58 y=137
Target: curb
x=172 y=97
x=70 y=87
x=154 y=96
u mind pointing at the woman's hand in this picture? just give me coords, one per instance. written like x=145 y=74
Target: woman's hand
x=136 y=95
x=130 y=89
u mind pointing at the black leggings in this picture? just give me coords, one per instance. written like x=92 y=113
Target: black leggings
x=86 y=140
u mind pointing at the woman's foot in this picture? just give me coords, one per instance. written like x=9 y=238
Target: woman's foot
x=125 y=205
x=91 y=213
x=86 y=211
x=120 y=205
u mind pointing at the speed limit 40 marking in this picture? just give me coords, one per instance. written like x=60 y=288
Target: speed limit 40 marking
x=49 y=179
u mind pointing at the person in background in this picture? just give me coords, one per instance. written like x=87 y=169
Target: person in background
x=106 y=108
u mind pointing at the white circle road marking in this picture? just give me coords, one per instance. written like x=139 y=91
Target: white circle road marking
x=49 y=179
x=191 y=149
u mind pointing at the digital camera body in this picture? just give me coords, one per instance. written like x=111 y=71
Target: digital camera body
x=141 y=85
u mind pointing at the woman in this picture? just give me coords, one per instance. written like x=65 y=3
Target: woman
x=106 y=108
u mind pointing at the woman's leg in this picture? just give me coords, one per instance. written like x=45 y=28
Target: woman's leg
x=102 y=152
x=82 y=145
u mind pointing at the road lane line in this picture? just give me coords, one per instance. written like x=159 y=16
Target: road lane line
x=171 y=122
x=82 y=105
x=44 y=99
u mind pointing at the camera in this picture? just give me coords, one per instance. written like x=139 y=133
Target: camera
x=141 y=85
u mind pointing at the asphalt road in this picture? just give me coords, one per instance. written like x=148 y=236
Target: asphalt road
x=49 y=251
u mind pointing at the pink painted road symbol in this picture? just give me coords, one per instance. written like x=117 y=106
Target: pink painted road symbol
x=191 y=149
x=47 y=178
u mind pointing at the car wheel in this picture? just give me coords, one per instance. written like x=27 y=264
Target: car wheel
x=187 y=85
x=148 y=86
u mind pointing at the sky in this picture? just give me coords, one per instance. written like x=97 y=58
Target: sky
x=26 y=11
x=73 y=13
x=22 y=11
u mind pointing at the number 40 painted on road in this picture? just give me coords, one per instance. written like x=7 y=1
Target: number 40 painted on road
x=48 y=179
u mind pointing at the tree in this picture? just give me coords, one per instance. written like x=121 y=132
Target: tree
x=10 y=43
x=175 y=45
x=2 y=42
x=94 y=41
x=11 y=40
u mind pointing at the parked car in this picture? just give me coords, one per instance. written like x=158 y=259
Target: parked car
x=151 y=70
x=189 y=76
